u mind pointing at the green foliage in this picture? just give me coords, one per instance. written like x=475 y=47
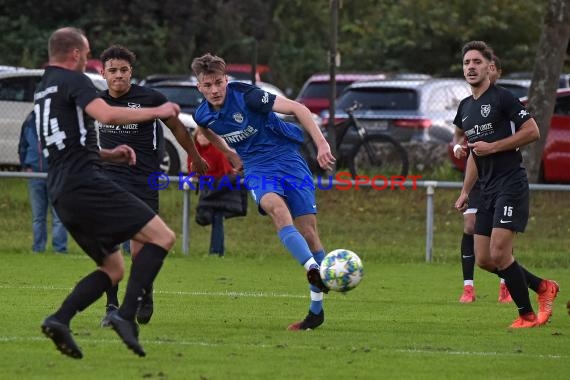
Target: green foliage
x=292 y=36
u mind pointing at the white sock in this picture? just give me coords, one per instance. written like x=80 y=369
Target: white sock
x=310 y=263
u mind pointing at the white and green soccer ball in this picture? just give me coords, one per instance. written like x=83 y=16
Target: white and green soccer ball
x=341 y=270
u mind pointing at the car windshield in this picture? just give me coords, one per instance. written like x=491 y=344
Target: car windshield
x=399 y=99
x=322 y=90
x=516 y=90
x=185 y=96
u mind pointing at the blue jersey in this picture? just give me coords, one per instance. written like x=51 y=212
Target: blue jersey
x=248 y=124
x=267 y=146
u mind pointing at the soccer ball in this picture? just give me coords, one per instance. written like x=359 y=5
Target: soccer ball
x=341 y=270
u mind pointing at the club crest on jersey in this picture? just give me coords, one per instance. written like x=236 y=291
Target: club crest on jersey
x=238 y=117
x=485 y=110
x=133 y=105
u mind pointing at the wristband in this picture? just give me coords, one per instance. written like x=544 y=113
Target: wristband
x=456 y=147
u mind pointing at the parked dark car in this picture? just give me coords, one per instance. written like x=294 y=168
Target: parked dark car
x=407 y=110
x=183 y=92
x=555 y=162
x=518 y=87
x=315 y=93
x=519 y=83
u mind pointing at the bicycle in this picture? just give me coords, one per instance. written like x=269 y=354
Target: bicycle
x=361 y=152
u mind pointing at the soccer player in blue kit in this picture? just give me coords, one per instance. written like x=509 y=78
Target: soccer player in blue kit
x=496 y=125
x=240 y=120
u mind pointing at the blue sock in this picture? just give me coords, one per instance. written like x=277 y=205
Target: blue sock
x=316 y=305
x=295 y=244
x=319 y=256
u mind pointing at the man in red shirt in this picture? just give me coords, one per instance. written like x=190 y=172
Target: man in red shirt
x=213 y=213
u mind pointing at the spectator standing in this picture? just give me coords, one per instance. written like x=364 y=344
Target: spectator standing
x=33 y=160
x=220 y=201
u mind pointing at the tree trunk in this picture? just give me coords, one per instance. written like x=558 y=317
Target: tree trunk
x=550 y=56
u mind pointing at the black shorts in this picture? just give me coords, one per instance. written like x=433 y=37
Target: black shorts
x=100 y=215
x=507 y=210
x=474 y=199
x=143 y=192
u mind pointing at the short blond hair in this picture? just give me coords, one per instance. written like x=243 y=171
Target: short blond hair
x=208 y=64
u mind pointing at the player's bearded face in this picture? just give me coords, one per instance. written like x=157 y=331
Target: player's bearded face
x=213 y=87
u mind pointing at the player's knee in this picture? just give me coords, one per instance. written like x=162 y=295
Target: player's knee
x=469 y=229
x=115 y=274
x=485 y=264
x=169 y=239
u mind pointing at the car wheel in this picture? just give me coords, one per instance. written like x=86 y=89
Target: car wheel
x=170 y=162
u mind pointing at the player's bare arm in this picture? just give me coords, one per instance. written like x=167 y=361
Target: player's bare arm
x=302 y=113
x=101 y=111
x=221 y=144
x=462 y=203
x=199 y=165
x=120 y=154
x=527 y=133
x=459 y=149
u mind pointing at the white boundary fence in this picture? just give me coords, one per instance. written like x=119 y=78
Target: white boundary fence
x=430 y=187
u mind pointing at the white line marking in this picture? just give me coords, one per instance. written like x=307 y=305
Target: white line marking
x=477 y=353
x=180 y=293
x=217 y=343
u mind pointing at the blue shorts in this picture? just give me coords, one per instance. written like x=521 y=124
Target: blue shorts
x=292 y=180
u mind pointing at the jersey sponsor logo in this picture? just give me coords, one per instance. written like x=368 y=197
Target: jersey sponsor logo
x=485 y=110
x=113 y=128
x=133 y=105
x=523 y=113
x=239 y=136
x=238 y=117
x=480 y=130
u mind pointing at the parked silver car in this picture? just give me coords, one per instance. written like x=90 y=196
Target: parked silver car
x=16 y=101
x=407 y=110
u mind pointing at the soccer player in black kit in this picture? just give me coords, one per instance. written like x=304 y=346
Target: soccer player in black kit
x=97 y=212
x=145 y=138
x=496 y=125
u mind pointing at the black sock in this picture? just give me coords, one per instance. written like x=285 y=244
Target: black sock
x=532 y=281
x=112 y=295
x=516 y=283
x=147 y=290
x=87 y=291
x=467 y=256
x=145 y=267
